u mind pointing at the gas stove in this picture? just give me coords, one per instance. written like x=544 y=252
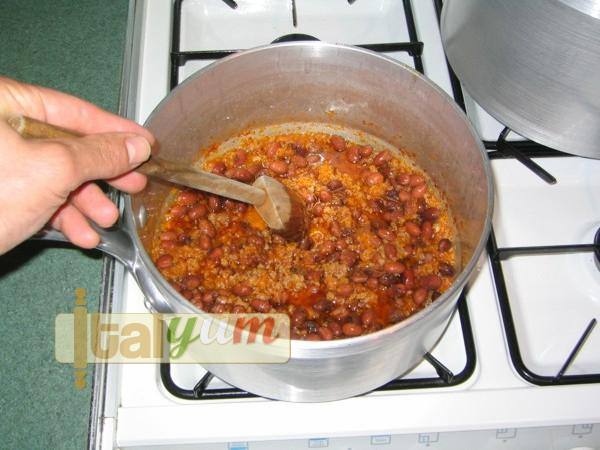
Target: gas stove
x=518 y=367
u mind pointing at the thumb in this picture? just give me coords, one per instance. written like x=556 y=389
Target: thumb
x=107 y=155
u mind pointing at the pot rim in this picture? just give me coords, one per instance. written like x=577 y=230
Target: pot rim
x=312 y=349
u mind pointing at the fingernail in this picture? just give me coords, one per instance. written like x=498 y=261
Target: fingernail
x=138 y=150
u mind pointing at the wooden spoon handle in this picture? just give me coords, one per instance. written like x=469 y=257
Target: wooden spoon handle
x=155 y=167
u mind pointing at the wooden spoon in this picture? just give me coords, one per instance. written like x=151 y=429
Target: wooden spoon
x=281 y=209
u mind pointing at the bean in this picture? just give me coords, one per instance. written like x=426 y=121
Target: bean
x=344 y=290
x=404 y=196
x=335 y=328
x=395 y=315
x=240 y=207
x=197 y=212
x=216 y=254
x=446 y=269
x=298 y=317
x=307 y=243
x=219 y=168
x=167 y=245
x=280 y=298
x=349 y=258
x=168 y=236
x=214 y=204
x=239 y=309
x=412 y=228
x=394 y=267
x=279 y=167
x=335 y=229
x=427 y=230
x=408 y=276
x=187 y=198
x=325 y=196
x=317 y=210
x=444 y=245
x=418 y=191
x=351 y=329
x=299 y=161
x=403 y=179
x=416 y=180
x=353 y=154
x=420 y=296
x=327 y=248
x=381 y=158
x=272 y=149
x=367 y=318
x=432 y=282
x=262 y=306
x=334 y=185
x=431 y=214
x=242 y=174
x=325 y=333
x=340 y=313
x=386 y=234
x=373 y=178
x=338 y=143
x=178 y=211
x=390 y=251
x=206 y=227
x=242 y=290
x=372 y=283
x=164 y=262
x=204 y=242
x=323 y=305
x=313 y=158
x=359 y=277
x=187 y=294
x=240 y=157
x=365 y=151
x=192 y=282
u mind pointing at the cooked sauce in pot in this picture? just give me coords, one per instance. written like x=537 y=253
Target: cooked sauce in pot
x=379 y=247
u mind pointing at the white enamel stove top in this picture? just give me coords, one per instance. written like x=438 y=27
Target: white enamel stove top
x=553 y=297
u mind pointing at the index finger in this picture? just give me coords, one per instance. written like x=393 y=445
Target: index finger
x=64 y=110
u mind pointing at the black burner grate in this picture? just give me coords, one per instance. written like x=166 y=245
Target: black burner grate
x=444 y=378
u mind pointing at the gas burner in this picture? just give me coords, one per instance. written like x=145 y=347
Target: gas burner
x=294 y=37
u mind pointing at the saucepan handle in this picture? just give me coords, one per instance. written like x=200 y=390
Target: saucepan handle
x=114 y=241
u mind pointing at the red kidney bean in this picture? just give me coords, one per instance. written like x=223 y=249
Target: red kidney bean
x=335 y=229
x=412 y=228
x=404 y=196
x=408 y=277
x=416 y=180
x=446 y=269
x=386 y=234
x=444 y=245
x=178 y=211
x=168 y=245
x=382 y=157
x=322 y=305
x=238 y=309
x=313 y=158
x=219 y=168
x=240 y=157
x=204 y=242
x=187 y=198
x=367 y=318
x=365 y=151
x=373 y=178
x=353 y=154
x=390 y=251
x=335 y=328
x=338 y=143
x=392 y=216
x=432 y=282
x=280 y=298
x=312 y=337
x=418 y=191
x=307 y=243
x=340 y=313
x=242 y=174
x=279 y=167
x=168 y=236
x=216 y=254
x=317 y=210
x=197 y=212
x=394 y=267
x=164 y=262
x=431 y=214
x=206 y=227
x=325 y=196
x=214 y=204
x=299 y=161
x=325 y=333
x=192 y=282
x=359 y=277
x=351 y=329
x=372 y=283
x=419 y=296
x=272 y=149
x=242 y=290
x=349 y=258
x=298 y=317
x=344 y=290
x=262 y=306
x=334 y=185
x=427 y=230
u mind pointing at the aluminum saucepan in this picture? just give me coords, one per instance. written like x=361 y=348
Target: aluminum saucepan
x=329 y=84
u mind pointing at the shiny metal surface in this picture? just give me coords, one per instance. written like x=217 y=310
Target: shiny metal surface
x=330 y=84
x=534 y=65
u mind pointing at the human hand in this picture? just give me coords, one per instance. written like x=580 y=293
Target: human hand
x=51 y=181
